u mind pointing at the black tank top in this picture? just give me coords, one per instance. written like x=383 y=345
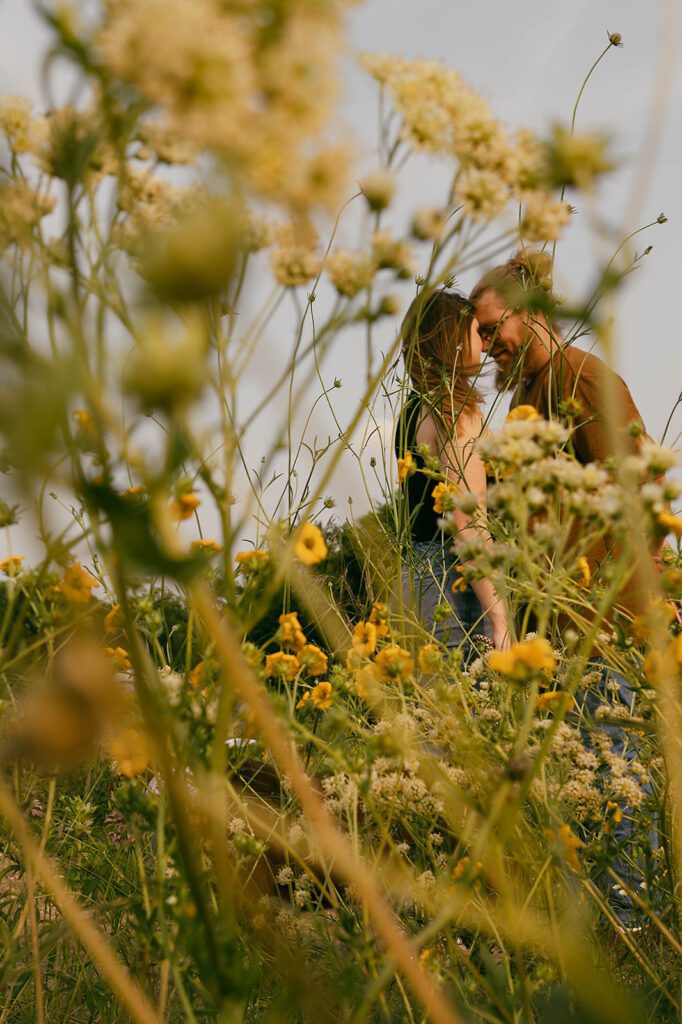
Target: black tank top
x=417 y=516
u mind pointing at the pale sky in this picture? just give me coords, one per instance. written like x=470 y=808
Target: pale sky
x=528 y=59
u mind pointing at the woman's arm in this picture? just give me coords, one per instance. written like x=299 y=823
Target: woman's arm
x=462 y=465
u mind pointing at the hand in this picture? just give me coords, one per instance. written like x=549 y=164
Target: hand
x=501 y=638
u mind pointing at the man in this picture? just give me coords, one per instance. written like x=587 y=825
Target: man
x=568 y=383
x=556 y=380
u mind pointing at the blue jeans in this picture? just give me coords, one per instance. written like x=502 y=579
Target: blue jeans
x=625 y=864
x=426 y=584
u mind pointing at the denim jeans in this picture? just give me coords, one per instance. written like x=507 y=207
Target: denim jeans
x=614 y=688
x=427 y=583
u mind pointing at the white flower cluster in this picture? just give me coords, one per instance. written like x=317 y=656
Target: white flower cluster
x=440 y=113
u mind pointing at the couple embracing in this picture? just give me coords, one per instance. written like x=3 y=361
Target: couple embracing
x=445 y=336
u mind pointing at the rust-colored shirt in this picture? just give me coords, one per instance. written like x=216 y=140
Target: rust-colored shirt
x=574 y=374
x=583 y=377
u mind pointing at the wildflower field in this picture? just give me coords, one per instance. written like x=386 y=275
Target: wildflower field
x=241 y=780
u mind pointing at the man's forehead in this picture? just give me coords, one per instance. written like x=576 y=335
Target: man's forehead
x=489 y=307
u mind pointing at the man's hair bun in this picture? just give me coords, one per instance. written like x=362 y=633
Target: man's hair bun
x=536 y=263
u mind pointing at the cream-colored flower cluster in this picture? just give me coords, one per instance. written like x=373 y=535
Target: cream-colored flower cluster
x=21 y=209
x=441 y=114
x=24 y=133
x=255 y=98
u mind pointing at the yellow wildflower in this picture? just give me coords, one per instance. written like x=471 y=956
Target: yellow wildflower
x=321 y=696
x=462 y=867
x=670 y=523
x=569 y=843
x=405 y=467
x=522 y=412
x=130 y=752
x=185 y=505
x=614 y=815
x=394 y=663
x=120 y=658
x=460 y=584
x=552 y=697
x=206 y=546
x=76 y=584
x=523 y=660
x=281 y=665
x=290 y=633
x=201 y=672
x=379 y=619
x=442 y=495
x=249 y=561
x=365 y=680
x=84 y=420
x=12 y=565
x=364 y=639
x=430 y=658
x=585 y=571
x=136 y=491
x=112 y=620
x=310 y=547
x=313 y=660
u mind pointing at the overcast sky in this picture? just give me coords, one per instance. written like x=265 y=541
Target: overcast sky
x=528 y=58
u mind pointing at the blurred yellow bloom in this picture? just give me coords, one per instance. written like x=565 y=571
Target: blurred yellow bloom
x=554 y=697
x=310 y=547
x=12 y=565
x=201 y=672
x=585 y=571
x=379 y=619
x=460 y=584
x=569 y=843
x=133 y=492
x=405 y=467
x=281 y=665
x=462 y=866
x=290 y=633
x=364 y=640
x=670 y=523
x=249 y=561
x=523 y=412
x=523 y=660
x=185 y=505
x=365 y=680
x=313 y=660
x=130 y=752
x=206 y=546
x=614 y=815
x=394 y=663
x=77 y=584
x=119 y=657
x=84 y=420
x=321 y=696
x=430 y=658
x=442 y=495
x=112 y=620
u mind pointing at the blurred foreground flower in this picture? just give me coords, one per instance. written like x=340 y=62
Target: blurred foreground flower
x=77 y=584
x=310 y=547
x=62 y=715
x=130 y=752
x=524 y=660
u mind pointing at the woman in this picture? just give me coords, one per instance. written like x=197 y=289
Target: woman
x=441 y=420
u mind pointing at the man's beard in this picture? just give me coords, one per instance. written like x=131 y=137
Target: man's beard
x=506 y=377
